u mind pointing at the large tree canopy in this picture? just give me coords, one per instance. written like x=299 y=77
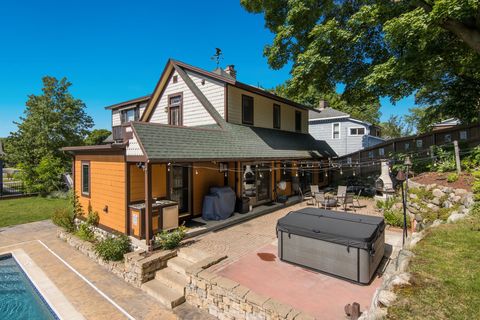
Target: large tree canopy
x=379 y=48
x=52 y=120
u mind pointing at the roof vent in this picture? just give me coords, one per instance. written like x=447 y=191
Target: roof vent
x=230 y=69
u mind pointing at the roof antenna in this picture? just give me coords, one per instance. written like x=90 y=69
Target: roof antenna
x=217 y=56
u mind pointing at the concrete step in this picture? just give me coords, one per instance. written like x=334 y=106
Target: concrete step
x=179 y=264
x=193 y=255
x=167 y=296
x=172 y=279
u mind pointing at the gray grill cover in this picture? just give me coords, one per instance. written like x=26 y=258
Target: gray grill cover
x=219 y=204
x=351 y=230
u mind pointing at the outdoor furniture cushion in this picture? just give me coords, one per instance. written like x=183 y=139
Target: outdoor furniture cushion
x=219 y=204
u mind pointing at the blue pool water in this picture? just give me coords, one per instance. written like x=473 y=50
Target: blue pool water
x=18 y=297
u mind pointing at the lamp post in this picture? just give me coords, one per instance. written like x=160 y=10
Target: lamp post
x=401 y=178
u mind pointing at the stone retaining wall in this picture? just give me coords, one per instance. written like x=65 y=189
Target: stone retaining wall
x=227 y=299
x=136 y=268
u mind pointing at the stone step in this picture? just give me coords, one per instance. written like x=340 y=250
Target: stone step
x=193 y=255
x=167 y=296
x=179 y=264
x=172 y=279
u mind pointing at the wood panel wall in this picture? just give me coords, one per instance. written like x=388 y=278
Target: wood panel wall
x=107 y=188
x=137 y=182
x=208 y=176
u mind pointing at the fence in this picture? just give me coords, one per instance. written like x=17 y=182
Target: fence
x=9 y=188
x=366 y=162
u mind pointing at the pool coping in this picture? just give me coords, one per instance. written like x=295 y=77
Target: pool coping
x=48 y=291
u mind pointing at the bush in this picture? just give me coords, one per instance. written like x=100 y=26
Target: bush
x=170 y=240
x=452 y=177
x=113 y=248
x=85 y=232
x=92 y=218
x=64 y=218
x=395 y=218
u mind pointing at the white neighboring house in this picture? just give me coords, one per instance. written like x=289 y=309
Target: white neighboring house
x=444 y=124
x=341 y=132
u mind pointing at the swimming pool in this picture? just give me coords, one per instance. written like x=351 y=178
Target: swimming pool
x=19 y=299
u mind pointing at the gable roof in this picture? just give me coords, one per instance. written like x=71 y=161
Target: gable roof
x=217 y=75
x=128 y=102
x=327 y=113
x=170 y=143
x=447 y=122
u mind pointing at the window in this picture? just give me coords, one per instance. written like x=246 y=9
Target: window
x=448 y=138
x=407 y=145
x=175 y=117
x=247 y=110
x=357 y=131
x=130 y=115
x=349 y=160
x=381 y=152
x=336 y=131
x=298 y=121
x=370 y=154
x=175 y=79
x=463 y=135
x=276 y=116
x=419 y=143
x=85 y=178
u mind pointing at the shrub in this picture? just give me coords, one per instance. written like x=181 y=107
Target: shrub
x=113 y=248
x=395 y=218
x=85 y=232
x=171 y=240
x=64 y=218
x=92 y=218
x=445 y=160
x=452 y=177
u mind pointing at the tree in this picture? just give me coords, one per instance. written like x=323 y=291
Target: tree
x=422 y=118
x=379 y=48
x=52 y=120
x=395 y=127
x=97 y=136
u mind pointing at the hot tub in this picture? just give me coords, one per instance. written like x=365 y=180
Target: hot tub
x=346 y=245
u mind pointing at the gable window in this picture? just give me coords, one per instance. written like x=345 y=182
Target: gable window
x=298 y=121
x=130 y=115
x=247 y=109
x=175 y=103
x=357 y=131
x=175 y=79
x=336 y=130
x=276 y=116
x=85 y=178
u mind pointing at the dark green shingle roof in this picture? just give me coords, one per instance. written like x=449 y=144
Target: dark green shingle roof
x=162 y=142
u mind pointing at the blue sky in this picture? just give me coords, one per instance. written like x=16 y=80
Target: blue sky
x=115 y=50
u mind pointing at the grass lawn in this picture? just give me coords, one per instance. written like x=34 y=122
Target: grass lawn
x=445 y=276
x=23 y=210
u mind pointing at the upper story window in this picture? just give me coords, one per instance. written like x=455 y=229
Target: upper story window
x=407 y=145
x=448 y=138
x=298 y=121
x=276 y=116
x=463 y=135
x=357 y=131
x=336 y=130
x=175 y=112
x=86 y=178
x=130 y=115
x=247 y=110
x=419 y=143
x=381 y=152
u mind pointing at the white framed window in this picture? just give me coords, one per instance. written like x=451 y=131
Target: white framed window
x=407 y=145
x=448 y=138
x=381 y=152
x=370 y=154
x=357 y=131
x=349 y=160
x=463 y=135
x=336 y=130
x=85 y=177
x=419 y=143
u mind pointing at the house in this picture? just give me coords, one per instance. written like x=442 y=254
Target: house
x=445 y=124
x=198 y=129
x=340 y=131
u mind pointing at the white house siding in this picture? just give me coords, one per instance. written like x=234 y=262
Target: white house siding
x=133 y=148
x=194 y=114
x=323 y=130
x=263 y=111
x=117 y=114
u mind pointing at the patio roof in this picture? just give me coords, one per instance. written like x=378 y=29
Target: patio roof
x=170 y=143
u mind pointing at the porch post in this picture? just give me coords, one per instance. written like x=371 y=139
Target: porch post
x=148 y=203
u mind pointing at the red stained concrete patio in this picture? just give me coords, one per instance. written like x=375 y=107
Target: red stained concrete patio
x=318 y=294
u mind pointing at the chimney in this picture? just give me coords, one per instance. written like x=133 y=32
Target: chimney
x=230 y=69
x=322 y=105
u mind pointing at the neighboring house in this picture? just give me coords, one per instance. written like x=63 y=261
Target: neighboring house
x=198 y=129
x=445 y=124
x=341 y=132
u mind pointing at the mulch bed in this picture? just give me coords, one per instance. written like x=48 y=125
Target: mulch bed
x=464 y=181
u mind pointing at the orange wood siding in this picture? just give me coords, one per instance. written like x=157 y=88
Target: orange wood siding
x=137 y=182
x=107 y=188
x=208 y=176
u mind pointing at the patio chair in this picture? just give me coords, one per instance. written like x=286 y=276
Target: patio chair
x=314 y=189
x=306 y=196
x=348 y=200
x=341 y=192
x=356 y=199
x=320 y=199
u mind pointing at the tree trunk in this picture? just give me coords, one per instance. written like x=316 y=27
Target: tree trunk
x=470 y=36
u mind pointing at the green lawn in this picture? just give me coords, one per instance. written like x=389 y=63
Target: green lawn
x=23 y=210
x=445 y=276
